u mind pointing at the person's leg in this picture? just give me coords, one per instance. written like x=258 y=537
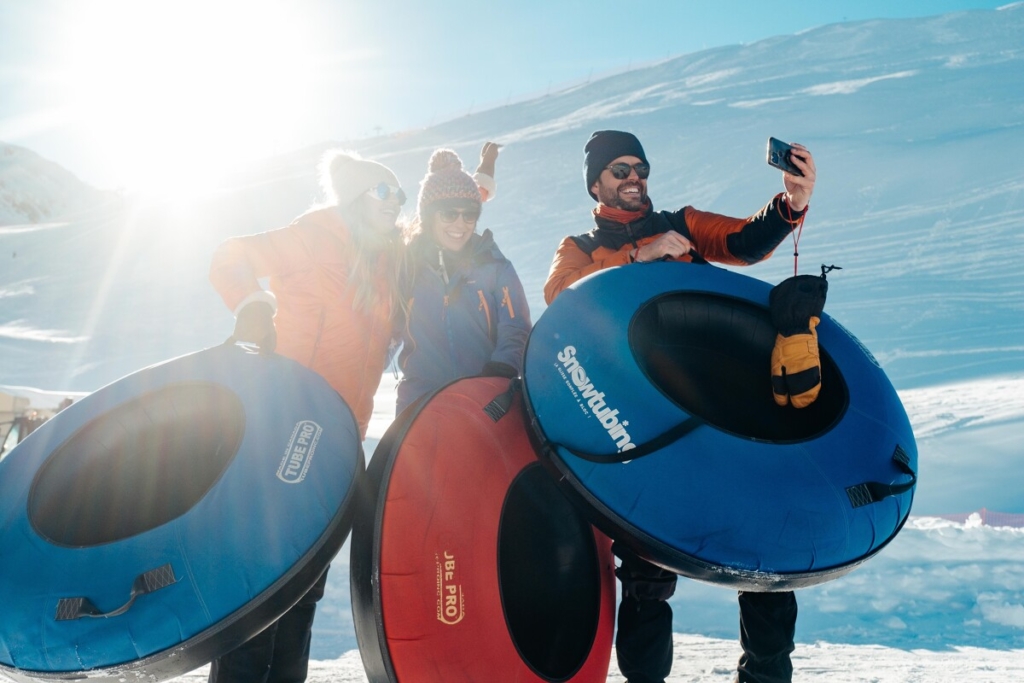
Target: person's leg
x=643 y=641
x=290 y=662
x=247 y=663
x=767 y=627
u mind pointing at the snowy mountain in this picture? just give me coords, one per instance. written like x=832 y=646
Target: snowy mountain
x=917 y=128
x=34 y=190
x=915 y=125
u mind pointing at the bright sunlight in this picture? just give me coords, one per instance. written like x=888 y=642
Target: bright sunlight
x=174 y=94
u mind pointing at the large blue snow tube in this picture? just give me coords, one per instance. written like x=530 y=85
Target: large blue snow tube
x=648 y=388
x=166 y=518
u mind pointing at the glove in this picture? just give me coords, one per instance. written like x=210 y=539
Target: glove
x=796 y=368
x=488 y=155
x=493 y=368
x=254 y=324
x=796 y=305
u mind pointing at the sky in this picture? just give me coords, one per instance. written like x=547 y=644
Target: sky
x=141 y=94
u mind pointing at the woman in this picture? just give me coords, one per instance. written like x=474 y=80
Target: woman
x=332 y=275
x=466 y=313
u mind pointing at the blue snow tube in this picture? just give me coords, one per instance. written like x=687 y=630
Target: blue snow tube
x=648 y=389
x=163 y=520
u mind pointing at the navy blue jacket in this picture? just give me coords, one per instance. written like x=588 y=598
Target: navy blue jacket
x=465 y=309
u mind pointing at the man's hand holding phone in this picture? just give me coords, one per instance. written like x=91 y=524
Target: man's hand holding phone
x=799 y=173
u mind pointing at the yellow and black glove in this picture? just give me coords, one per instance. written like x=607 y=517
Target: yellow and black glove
x=796 y=305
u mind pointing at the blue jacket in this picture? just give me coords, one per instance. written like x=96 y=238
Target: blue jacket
x=465 y=309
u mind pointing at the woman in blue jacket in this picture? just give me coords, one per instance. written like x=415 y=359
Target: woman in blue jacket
x=466 y=312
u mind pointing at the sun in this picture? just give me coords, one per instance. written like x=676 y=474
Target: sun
x=170 y=95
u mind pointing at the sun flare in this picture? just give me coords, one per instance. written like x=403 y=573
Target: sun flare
x=171 y=95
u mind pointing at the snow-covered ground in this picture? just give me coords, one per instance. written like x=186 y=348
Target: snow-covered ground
x=699 y=659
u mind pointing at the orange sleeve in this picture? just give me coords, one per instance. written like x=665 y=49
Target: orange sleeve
x=571 y=264
x=709 y=232
x=742 y=241
x=239 y=262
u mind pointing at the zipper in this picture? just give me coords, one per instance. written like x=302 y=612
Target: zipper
x=486 y=309
x=319 y=334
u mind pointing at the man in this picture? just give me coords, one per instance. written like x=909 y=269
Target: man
x=628 y=230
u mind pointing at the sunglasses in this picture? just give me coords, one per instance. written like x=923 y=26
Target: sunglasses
x=621 y=170
x=469 y=216
x=383 y=192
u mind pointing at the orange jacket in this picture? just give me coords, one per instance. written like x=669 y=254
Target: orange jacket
x=308 y=266
x=733 y=241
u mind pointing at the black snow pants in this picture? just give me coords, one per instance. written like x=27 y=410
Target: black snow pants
x=767 y=627
x=279 y=653
x=643 y=640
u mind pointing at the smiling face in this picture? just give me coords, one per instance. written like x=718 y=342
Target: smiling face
x=379 y=215
x=453 y=222
x=629 y=193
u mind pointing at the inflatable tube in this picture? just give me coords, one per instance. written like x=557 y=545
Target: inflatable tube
x=168 y=517
x=468 y=563
x=648 y=390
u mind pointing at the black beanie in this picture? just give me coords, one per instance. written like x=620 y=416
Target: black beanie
x=604 y=147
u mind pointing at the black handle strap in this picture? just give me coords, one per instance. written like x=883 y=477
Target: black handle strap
x=501 y=403
x=69 y=609
x=657 y=443
x=873 y=492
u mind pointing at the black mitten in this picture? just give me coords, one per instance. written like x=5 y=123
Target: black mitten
x=796 y=305
x=254 y=324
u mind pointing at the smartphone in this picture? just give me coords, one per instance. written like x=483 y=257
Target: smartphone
x=778 y=156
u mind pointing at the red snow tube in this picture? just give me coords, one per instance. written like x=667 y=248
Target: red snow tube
x=467 y=562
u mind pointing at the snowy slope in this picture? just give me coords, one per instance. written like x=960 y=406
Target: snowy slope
x=915 y=125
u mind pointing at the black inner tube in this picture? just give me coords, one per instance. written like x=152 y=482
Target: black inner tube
x=137 y=466
x=548 y=575
x=711 y=355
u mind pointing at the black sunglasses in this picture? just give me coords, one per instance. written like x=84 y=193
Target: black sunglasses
x=383 y=192
x=621 y=170
x=469 y=216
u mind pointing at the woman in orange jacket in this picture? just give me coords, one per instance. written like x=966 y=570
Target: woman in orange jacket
x=332 y=275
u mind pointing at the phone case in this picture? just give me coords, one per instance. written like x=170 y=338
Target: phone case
x=778 y=156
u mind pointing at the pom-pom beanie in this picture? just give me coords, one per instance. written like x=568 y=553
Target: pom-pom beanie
x=445 y=180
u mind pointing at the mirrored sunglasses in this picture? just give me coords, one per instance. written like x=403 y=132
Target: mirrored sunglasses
x=383 y=192
x=621 y=170
x=469 y=216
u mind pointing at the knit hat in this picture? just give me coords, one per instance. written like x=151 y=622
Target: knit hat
x=445 y=179
x=604 y=147
x=345 y=175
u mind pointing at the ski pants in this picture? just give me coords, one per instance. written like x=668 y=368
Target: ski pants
x=767 y=627
x=643 y=639
x=279 y=653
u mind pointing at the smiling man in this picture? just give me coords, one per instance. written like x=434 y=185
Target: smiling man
x=629 y=230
